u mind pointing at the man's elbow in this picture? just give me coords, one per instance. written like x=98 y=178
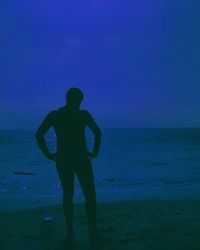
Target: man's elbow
x=38 y=136
x=98 y=133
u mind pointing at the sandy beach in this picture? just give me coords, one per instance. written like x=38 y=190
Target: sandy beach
x=142 y=224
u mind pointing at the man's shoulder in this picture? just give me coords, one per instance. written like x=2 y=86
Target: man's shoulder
x=85 y=112
x=57 y=111
x=52 y=112
x=87 y=116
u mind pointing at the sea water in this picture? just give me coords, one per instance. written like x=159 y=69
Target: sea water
x=132 y=163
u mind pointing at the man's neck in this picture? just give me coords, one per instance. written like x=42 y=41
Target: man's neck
x=71 y=108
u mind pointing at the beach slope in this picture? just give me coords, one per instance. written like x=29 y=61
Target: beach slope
x=133 y=225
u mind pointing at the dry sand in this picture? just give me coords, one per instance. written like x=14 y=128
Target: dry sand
x=134 y=225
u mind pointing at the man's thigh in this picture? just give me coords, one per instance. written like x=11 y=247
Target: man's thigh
x=84 y=173
x=66 y=172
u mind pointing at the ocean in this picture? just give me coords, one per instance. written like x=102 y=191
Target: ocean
x=133 y=163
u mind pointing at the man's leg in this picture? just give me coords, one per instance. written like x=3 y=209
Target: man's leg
x=66 y=174
x=86 y=178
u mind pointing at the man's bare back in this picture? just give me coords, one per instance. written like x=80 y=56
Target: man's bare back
x=72 y=157
x=69 y=126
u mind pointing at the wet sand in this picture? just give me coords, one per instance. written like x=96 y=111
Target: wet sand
x=133 y=225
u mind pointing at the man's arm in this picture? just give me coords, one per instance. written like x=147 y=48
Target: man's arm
x=43 y=128
x=97 y=134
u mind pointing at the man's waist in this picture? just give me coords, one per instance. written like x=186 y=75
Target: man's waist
x=64 y=151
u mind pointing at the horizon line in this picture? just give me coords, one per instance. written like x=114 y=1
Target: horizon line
x=150 y=127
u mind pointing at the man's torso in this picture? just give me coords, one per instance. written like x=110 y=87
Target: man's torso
x=70 y=127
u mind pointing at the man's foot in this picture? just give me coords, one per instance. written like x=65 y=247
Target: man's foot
x=69 y=238
x=98 y=240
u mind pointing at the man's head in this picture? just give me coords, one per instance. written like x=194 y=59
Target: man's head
x=74 y=98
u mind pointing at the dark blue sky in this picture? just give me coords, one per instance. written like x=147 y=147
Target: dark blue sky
x=136 y=61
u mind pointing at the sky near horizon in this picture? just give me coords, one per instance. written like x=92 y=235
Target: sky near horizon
x=137 y=62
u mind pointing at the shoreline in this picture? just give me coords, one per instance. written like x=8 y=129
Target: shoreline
x=21 y=202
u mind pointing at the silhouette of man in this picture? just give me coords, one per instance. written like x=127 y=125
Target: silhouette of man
x=72 y=157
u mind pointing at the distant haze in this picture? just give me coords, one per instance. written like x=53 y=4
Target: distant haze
x=137 y=62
